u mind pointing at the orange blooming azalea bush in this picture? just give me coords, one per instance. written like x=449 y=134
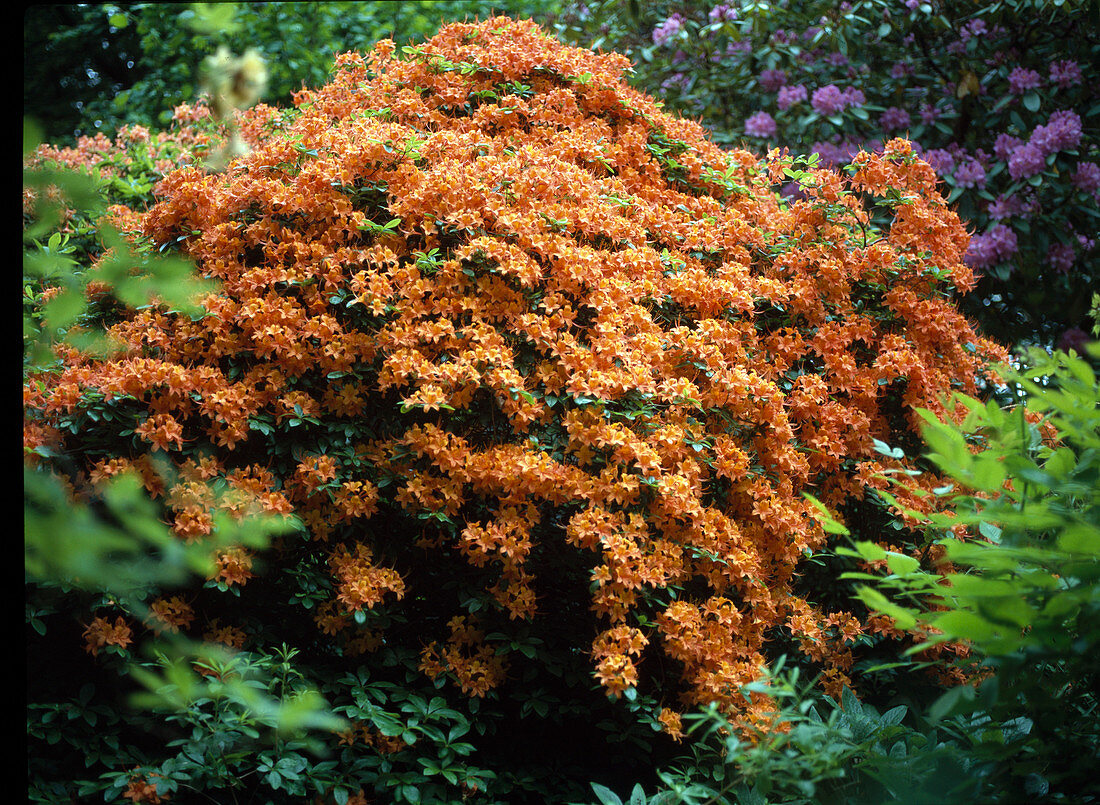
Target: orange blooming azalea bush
x=547 y=377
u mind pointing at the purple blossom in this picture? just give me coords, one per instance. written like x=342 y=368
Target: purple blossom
x=1065 y=74
x=668 y=29
x=1074 y=338
x=760 y=125
x=1005 y=145
x=789 y=96
x=835 y=153
x=901 y=70
x=792 y=191
x=970 y=174
x=771 y=80
x=1020 y=80
x=1061 y=257
x=894 y=118
x=991 y=248
x=854 y=97
x=723 y=13
x=1087 y=178
x=828 y=100
x=1026 y=161
x=928 y=114
x=1003 y=207
x=1004 y=241
x=1062 y=132
x=941 y=160
x=976 y=27
x=676 y=81
x=1020 y=206
x=912 y=5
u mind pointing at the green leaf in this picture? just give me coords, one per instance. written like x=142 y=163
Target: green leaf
x=903 y=617
x=947 y=704
x=968 y=626
x=606 y=795
x=901 y=564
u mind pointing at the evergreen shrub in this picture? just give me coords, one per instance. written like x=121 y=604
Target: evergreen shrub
x=553 y=387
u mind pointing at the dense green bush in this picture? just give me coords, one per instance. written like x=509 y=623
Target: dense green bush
x=1001 y=98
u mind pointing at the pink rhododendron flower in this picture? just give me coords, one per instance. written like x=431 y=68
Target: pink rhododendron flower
x=1074 y=338
x=771 y=80
x=760 y=125
x=894 y=118
x=1020 y=80
x=991 y=248
x=1087 y=177
x=722 y=13
x=1061 y=257
x=668 y=29
x=1062 y=132
x=1005 y=145
x=1065 y=74
x=970 y=174
x=789 y=96
x=1026 y=161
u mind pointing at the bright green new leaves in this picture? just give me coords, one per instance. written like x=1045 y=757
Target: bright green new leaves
x=120 y=546
x=51 y=264
x=1035 y=503
x=1024 y=590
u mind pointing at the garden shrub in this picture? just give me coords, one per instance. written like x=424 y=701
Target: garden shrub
x=546 y=377
x=1000 y=98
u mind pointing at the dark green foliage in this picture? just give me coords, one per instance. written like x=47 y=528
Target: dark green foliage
x=93 y=67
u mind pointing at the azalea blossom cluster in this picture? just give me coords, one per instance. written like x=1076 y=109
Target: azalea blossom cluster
x=528 y=314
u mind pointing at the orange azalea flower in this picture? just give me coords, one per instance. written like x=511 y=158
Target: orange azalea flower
x=140 y=789
x=233 y=567
x=170 y=614
x=670 y=723
x=100 y=633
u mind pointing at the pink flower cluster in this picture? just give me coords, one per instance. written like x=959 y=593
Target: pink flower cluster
x=1087 y=178
x=772 y=80
x=831 y=99
x=789 y=96
x=1061 y=257
x=1021 y=80
x=895 y=119
x=836 y=152
x=1062 y=132
x=668 y=29
x=722 y=13
x=991 y=248
x=1065 y=74
x=760 y=124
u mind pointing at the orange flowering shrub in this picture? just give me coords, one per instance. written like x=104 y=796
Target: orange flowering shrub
x=541 y=369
